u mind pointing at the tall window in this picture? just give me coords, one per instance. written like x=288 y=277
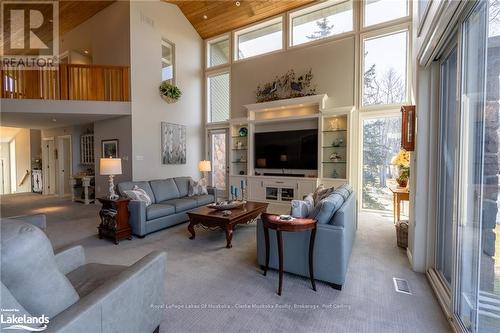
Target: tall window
x=218 y=51
x=218 y=97
x=167 y=61
x=385 y=69
x=320 y=21
x=381 y=142
x=259 y=39
x=379 y=11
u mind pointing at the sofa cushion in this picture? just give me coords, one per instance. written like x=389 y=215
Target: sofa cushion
x=203 y=199
x=344 y=190
x=159 y=210
x=182 y=204
x=182 y=185
x=87 y=278
x=128 y=186
x=197 y=187
x=326 y=208
x=29 y=270
x=164 y=189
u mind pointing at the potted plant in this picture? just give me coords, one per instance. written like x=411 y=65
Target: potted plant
x=169 y=92
x=402 y=161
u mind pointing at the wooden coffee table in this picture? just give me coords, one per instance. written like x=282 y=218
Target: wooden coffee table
x=213 y=219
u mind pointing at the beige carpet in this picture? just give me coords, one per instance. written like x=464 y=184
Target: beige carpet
x=213 y=289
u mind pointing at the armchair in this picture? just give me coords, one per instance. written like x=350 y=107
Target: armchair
x=104 y=298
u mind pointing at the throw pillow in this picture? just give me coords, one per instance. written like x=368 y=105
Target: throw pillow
x=318 y=189
x=139 y=194
x=326 y=208
x=197 y=187
x=30 y=272
x=301 y=208
x=323 y=194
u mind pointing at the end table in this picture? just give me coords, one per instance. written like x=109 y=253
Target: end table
x=114 y=219
x=273 y=222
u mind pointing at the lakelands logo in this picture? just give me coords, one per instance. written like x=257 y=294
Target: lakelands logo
x=29 y=34
x=13 y=321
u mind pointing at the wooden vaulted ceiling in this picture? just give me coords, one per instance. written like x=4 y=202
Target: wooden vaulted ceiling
x=74 y=13
x=212 y=18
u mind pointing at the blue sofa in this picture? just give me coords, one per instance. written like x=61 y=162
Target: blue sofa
x=170 y=202
x=333 y=244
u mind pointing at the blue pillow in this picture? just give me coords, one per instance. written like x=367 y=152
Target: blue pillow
x=326 y=208
x=344 y=190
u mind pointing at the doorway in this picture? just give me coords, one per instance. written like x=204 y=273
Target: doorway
x=218 y=155
x=48 y=166
x=64 y=165
x=381 y=141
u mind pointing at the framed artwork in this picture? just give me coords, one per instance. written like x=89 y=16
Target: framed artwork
x=109 y=148
x=173 y=143
x=408 y=127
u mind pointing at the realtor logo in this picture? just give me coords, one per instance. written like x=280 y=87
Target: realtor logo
x=13 y=321
x=29 y=32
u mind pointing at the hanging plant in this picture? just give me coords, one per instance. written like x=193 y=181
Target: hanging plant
x=169 y=92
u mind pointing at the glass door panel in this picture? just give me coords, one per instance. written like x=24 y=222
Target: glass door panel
x=448 y=124
x=219 y=158
x=381 y=142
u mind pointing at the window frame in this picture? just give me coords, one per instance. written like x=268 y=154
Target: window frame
x=256 y=26
x=172 y=46
x=208 y=115
x=362 y=17
x=216 y=39
x=373 y=34
x=312 y=8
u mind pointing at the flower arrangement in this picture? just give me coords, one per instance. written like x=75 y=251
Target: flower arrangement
x=402 y=160
x=169 y=92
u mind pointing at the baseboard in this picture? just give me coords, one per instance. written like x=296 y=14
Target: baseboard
x=410 y=257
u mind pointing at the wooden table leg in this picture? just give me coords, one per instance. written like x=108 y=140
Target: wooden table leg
x=229 y=236
x=398 y=209
x=311 y=258
x=280 y=257
x=191 y=230
x=394 y=207
x=266 y=237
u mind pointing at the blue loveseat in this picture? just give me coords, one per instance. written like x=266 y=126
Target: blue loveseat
x=170 y=202
x=333 y=244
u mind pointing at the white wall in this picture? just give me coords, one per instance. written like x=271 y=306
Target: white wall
x=149 y=22
x=105 y=35
x=117 y=128
x=23 y=160
x=332 y=66
x=5 y=156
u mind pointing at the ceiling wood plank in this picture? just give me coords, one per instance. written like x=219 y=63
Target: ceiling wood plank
x=224 y=16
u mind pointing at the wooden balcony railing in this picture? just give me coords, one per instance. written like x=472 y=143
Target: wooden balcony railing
x=69 y=82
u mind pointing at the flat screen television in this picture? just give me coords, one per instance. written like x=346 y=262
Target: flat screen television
x=287 y=150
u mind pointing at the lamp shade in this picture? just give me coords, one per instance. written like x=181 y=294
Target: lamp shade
x=204 y=166
x=110 y=166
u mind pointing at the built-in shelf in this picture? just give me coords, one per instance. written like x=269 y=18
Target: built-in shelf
x=335 y=130
x=334 y=147
x=245 y=162
x=239 y=137
x=334 y=162
x=239 y=148
x=334 y=136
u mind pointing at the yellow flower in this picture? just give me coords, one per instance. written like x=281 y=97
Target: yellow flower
x=402 y=159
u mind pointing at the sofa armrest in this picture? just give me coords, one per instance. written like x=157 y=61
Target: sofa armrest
x=131 y=302
x=69 y=259
x=137 y=218
x=212 y=190
x=38 y=220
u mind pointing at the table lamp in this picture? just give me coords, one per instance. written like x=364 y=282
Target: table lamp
x=204 y=167
x=111 y=167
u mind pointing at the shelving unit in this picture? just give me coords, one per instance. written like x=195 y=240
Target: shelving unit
x=239 y=150
x=334 y=153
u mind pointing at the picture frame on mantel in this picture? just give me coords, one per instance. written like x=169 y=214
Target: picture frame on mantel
x=408 y=120
x=109 y=148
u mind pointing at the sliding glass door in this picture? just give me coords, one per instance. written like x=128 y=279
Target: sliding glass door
x=447 y=185
x=467 y=253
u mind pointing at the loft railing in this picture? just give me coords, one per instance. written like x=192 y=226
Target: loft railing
x=69 y=82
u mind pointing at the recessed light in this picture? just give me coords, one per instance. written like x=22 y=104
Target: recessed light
x=205 y=17
x=54 y=120
x=237 y=3
x=86 y=51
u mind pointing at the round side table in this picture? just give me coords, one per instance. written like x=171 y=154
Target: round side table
x=296 y=225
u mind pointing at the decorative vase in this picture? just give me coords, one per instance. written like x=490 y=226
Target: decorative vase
x=168 y=99
x=402 y=183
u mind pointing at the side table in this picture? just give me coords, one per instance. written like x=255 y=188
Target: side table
x=296 y=225
x=114 y=219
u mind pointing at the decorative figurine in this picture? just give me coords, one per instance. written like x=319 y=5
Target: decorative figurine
x=335 y=157
x=339 y=142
